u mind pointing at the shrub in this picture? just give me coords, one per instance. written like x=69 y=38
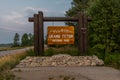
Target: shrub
x=113 y=60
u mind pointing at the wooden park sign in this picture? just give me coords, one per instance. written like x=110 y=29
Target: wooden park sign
x=60 y=35
x=38 y=20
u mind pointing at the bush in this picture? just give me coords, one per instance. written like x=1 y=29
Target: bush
x=113 y=60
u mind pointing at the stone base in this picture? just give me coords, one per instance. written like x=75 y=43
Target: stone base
x=60 y=60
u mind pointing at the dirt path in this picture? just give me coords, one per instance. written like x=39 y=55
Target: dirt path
x=75 y=73
x=3 y=53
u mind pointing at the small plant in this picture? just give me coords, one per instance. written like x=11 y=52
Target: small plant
x=7 y=76
x=62 y=77
x=31 y=52
x=113 y=60
x=49 y=52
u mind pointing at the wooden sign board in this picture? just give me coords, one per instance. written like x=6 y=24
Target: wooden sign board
x=60 y=35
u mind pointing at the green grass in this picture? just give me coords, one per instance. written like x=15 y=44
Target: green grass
x=62 y=50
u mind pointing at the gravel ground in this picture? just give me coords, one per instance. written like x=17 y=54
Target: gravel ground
x=71 y=73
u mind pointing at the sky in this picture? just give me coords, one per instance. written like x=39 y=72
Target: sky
x=14 y=15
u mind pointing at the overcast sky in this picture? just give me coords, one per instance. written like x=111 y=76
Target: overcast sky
x=14 y=15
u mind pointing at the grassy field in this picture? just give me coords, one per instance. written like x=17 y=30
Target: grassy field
x=61 y=50
x=10 y=61
x=9 y=48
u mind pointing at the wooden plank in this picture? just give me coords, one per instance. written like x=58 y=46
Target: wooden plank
x=36 y=38
x=41 y=34
x=60 y=19
x=31 y=19
x=60 y=35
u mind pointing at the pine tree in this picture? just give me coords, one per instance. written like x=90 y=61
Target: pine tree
x=25 y=40
x=16 y=40
x=31 y=39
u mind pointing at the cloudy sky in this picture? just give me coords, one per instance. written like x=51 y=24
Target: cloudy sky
x=14 y=15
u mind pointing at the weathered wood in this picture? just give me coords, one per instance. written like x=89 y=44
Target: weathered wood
x=60 y=19
x=82 y=33
x=80 y=36
x=36 y=39
x=85 y=34
x=41 y=34
x=31 y=19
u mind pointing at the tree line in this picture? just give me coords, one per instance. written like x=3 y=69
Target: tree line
x=26 y=40
x=104 y=29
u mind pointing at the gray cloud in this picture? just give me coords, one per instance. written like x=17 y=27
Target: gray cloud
x=17 y=22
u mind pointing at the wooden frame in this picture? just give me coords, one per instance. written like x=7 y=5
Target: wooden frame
x=38 y=20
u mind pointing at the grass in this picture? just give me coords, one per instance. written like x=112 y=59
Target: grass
x=110 y=59
x=10 y=61
x=62 y=50
x=9 y=48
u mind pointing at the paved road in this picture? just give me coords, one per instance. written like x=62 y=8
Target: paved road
x=78 y=73
x=3 y=53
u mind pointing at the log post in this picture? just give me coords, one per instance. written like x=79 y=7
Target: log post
x=82 y=33
x=36 y=35
x=41 y=34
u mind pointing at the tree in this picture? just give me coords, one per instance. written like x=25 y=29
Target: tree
x=25 y=40
x=77 y=6
x=104 y=36
x=31 y=39
x=16 y=40
x=104 y=29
